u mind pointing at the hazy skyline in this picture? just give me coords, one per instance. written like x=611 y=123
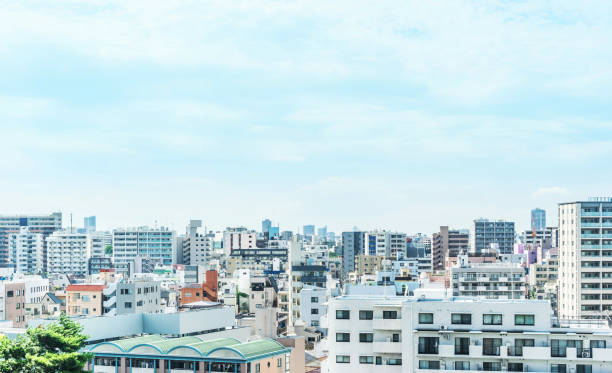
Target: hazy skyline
x=400 y=115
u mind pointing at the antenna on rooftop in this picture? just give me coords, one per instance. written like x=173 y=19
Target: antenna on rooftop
x=71 y=223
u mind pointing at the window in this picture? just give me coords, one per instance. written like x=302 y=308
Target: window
x=127 y=304
x=524 y=320
x=580 y=368
x=343 y=359
x=257 y=368
x=279 y=362
x=490 y=346
x=429 y=364
x=9 y=294
x=425 y=318
x=366 y=359
x=314 y=299
x=85 y=298
x=314 y=311
x=462 y=365
x=366 y=315
x=461 y=318
x=343 y=337
x=491 y=366
x=515 y=367
x=520 y=343
x=492 y=319
x=343 y=314
x=392 y=361
x=378 y=360
x=366 y=337
x=462 y=346
x=428 y=345
x=395 y=338
x=389 y=314
x=557 y=368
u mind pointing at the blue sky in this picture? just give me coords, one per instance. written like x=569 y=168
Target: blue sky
x=381 y=114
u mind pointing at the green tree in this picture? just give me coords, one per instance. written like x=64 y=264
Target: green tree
x=108 y=249
x=46 y=349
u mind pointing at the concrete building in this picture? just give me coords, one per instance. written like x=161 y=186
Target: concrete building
x=157 y=244
x=383 y=243
x=206 y=291
x=484 y=234
x=585 y=258
x=43 y=224
x=368 y=264
x=405 y=335
x=448 y=242
x=238 y=238
x=12 y=302
x=352 y=245
x=84 y=300
x=198 y=249
x=543 y=277
x=89 y=224
x=26 y=251
x=488 y=280
x=68 y=253
x=538 y=219
x=313 y=305
x=138 y=296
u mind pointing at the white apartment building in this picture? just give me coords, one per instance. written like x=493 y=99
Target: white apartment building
x=238 y=239
x=198 y=249
x=157 y=244
x=97 y=243
x=313 y=305
x=420 y=335
x=67 y=253
x=26 y=251
x=585 y=258
x=387 y=244
x=489 y=280
x=35 y=288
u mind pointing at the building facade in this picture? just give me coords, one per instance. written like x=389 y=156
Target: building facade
x=68 y=253
x=157 y=244
x=84 y=300
x=352 y=245
x=26 y=251
x=448 y=242
x=485 y=234
x=538 y=219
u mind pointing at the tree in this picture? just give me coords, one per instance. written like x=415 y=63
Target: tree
x=46 y=349
x=108 y=249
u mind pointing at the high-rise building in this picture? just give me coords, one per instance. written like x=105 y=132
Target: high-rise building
x=485 y=234
x=89 y=223
x=585 y=258
x=352 y=245
x=309 y=230
x=538 y=219
x=266 y=224
x=45 y=224
x=238 y=238
x=157 y=244
x=448 y=243
x=387 y=244
x=322 y=233
x=68 y=253
x=26 y=251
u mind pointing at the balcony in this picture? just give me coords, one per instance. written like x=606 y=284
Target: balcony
x=106 y=369
x=590 y=235
x=110 y=302
x=540 y=352
x=387 y=324
x=590 y=213
x=387 y=347
x=590 y=225
x=584 y=353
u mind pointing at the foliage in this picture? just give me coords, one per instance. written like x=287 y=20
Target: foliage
x=108 y=249
x=244 y=306
x=49 y=349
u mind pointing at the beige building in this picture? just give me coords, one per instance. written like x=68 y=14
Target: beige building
x=368 y=264
x=12 y=303
x=84 y=300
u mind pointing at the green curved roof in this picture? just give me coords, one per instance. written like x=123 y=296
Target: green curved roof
x=206 y=346
x=257 y=348
x=126 y=344
x=167 y=344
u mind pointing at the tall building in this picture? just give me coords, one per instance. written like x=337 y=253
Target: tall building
x=585 y=258
x=387 y=244
x=89 y=223
x=322 y=233
x=352 y=245
x=538 y=219
x=68 y=253
x=485 y=234
x=309 y=230
x=488 y=280
x=157 y=244
x=26 y=251
x=45 y=224
x=448 y=243
x=266 y=224
x=238 y=238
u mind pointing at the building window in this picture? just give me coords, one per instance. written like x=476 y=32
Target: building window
x=314 y=299
x=343 y=314
x=343 y=359
x=461 y=318
x=491 y=366
x=279 y=362
x=395 y=338
x=389 y=314
x=492 y=319
x=581 y=368
x=127 y=305
x=366 y=315
x=314 y=311
x=428 y=345
x=343 y=337
x=462 y=346
x=462 y=365
x=392 y=361
x=366 y=337
x=429 y=364
x=524 y=320
x=425 y=318
x=368 y=360
x=515 y=367
x=378 y=360
x=257 y=368
x=557 y=368
x=490 y=346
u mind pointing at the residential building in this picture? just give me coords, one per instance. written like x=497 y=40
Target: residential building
x=84 y=300
x=206 y=291
x=137 y=296
x=486 y=234
x=421 y=334
x=257 y=260
x=585 y=258
x=488 y=280
x=543 y=277
x=97 y=264
x=68 y=253
x=157 y=244
x=368 y=264
x=313 y=305
x=52 y=306
x=44 y=224
x=352 y=245
x=238 y=238
x=12 y=302
x=538 y=219
x=198 y=249
x=540 y=238
x=26 y=251
x=448 y=243
x=387 y=244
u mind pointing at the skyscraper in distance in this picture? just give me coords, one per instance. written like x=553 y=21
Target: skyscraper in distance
x=538 y=219
x=89 y=222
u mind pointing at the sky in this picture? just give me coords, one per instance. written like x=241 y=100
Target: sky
x=402 y=115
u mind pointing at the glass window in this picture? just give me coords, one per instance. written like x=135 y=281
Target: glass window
x=491 y=366
x=343 y=359
x=425 y=318
x=314 y=299
x=492 y=319
x=366 y=359
x=557 y=368
x=462 y=346
x=583 y=368
x=461 y=318
x=389 y=314
x=524 y=320
x=392 y=361
x=366 y=315
x=314 y=311
x=343 y=314
x=366 y=337
x=343 y=337
x=462 y=365
x=490 y=346
x=515 y=367
x=429 y=364
x=279 y=362
x=378 y=360
x=428 y=345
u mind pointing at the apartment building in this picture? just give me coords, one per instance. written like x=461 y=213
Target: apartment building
x=313 y=305
x=540 y=238
x=485 y=234
x=448 y=243
x=368 y=264
x=383 y=243
x=352 y=245
x=84 y=300
x=138 y=296
x=156 y=244
x=207 y=291
x=43 y=224
x=543 y=276
x=585 y=258
x=238 y=238
x=13 y=302
x=68 y=253
x=403 y=334
x=198 y=249
x=488 y=280
x=26 y=251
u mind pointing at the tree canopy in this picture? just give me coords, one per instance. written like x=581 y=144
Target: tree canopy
x=46 y=349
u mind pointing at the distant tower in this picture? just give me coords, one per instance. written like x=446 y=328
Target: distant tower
x=538 y=219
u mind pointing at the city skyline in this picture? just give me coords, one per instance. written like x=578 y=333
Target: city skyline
x=304 y=112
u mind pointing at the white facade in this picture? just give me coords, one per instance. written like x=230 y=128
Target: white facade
x=238 y=238
x=198 y=248
x=26 y=251
x=313 y=305
x=383 y=243
x=35 y=288
x=97 y=243
x=402 y=334
x=67 y=253
x=489 y=280
x=157 y=244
